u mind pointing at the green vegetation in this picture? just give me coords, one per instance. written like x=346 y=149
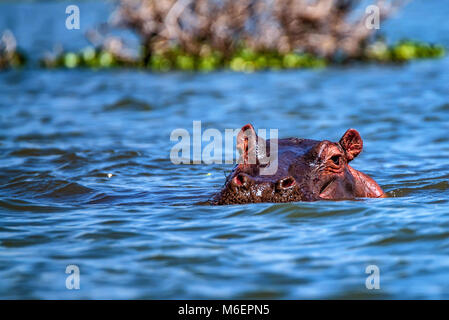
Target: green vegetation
x=175 y=59
x=245 y=59
x=87 y=58
x=403 y=51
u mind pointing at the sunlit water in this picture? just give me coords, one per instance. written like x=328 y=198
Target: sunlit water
x=140 y=232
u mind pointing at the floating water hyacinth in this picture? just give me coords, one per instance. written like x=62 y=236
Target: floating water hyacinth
x=244 y=60
x=87 y=58
x=404 y=50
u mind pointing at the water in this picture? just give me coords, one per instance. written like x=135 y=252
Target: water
x=141 y=233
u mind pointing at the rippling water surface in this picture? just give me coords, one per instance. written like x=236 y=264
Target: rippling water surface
x=140 y=232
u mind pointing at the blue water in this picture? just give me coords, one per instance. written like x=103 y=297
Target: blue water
x=141 y=233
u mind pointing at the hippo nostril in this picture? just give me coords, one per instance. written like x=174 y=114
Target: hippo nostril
x=327 y=184
x=286 y=183
x=241 y=180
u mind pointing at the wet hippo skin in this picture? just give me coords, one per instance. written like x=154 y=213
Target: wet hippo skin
x=307 y=170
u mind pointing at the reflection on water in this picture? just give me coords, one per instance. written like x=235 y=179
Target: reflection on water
x=139 y=234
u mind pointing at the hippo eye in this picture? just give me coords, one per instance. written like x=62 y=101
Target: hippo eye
x=336 y=160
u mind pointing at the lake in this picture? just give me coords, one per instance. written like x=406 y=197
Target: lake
x=86 y=178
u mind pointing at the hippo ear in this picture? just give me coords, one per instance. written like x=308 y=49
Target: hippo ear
x=352 y=143
x=246 y=143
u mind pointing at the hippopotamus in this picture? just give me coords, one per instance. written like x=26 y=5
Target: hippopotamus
x=307 y=170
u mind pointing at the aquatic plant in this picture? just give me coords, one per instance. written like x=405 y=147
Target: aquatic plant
x=244 y=35
x=89 y=57
x=245 y=59
x=176 y=59
x=404 y=50
x=107 y=52
x=10 y=55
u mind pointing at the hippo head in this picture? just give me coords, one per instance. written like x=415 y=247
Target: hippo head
x=307 y=170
